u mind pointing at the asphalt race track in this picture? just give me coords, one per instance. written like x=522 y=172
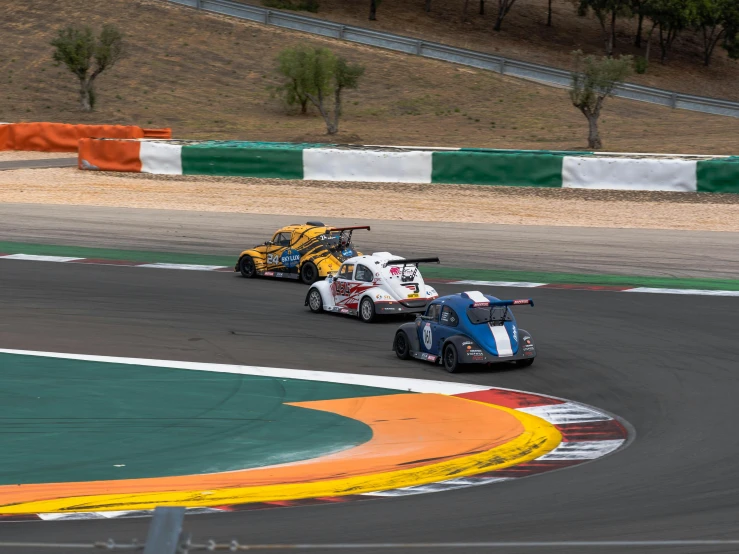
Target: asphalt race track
x=470 y=245
x=667 y=364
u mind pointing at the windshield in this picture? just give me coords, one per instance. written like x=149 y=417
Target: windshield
x=489 y=314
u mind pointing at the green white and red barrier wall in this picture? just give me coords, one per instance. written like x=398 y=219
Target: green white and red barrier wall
x=324 y=162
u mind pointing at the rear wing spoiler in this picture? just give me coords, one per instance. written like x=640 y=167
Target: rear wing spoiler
x=522 y=302
x=356 y=227
x=412 y=261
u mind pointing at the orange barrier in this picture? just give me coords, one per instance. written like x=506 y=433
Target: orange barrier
x=64 y=137
x=110 y=155
x=158 y=133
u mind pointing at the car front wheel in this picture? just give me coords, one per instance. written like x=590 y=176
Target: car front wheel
x=367 y=310
x=402 y=347
x=315 y=302
x=450 y=359
x=247 y=267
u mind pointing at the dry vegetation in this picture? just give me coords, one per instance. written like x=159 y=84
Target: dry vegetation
x=525 y=36
x=206 y=77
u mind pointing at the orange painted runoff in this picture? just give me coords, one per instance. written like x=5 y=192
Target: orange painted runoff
x=409 y=430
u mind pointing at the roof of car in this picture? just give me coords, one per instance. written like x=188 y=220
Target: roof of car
x=459 y=302
x=301 y=228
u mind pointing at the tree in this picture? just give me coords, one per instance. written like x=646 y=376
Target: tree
x=670 y=17
x=606 y=12
x=594 y=80
x=321 y=77
x=504 y=6
x=291 y=64
x=373 y=10
x=549 y=14
x=88 y=57
x=638 y=7
x=717 y=21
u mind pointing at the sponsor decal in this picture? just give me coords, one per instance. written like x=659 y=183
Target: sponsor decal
x=413 y=295
x=395 y=271
x=269 y=273
x=467 y=343
x=348 y=253
x=343 y=288
x=520 y=302
x=514 y=332
x=528 y=353
x=290 y=258
x=429 y=357
x=428 y=338
x=480 y=304
x=344 y=311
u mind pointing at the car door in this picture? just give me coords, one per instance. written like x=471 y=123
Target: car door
x=447 y=326
x=275 y=251
x=343 y=285
x=428 y=331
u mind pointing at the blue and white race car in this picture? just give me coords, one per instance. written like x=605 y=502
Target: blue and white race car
x=466 y=328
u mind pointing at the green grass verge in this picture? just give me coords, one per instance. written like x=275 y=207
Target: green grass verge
x=439 y=272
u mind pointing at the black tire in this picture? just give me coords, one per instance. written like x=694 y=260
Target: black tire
x=247 y=267
x=315 y=301
x=308 y=273
x=366 y=310
x=450 y=359
x=524 y=363
x=402 y=346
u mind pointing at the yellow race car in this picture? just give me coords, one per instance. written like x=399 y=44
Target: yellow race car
x=307 y=252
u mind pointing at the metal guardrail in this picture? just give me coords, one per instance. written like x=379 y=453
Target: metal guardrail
x=437 y=51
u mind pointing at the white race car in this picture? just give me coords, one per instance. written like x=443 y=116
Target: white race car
x=366 y=286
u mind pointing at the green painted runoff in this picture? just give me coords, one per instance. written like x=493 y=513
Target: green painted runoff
x=68 y=420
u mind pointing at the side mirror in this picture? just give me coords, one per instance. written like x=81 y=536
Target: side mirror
x=268 y=243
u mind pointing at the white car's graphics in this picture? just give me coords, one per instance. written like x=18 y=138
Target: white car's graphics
x=380 y=283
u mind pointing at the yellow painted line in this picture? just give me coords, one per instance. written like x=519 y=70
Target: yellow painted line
x=538 y=438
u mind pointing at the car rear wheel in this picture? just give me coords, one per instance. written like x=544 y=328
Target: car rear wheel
x=247 y=267
x=402 y=347
x=315 y=302
x=524 y=363
x=367 y=310
x=451 y=360
x=309 y=273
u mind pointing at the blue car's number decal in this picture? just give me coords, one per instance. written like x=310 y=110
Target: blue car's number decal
x=428 y=338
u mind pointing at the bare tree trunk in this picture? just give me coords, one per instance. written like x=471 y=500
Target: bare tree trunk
x=637 y=41
x=482 y=7
x=428 y=6
x=304 y=106
x=594 y=141
x=612 y=38
x=709 y=44
x=334 y=128
x=373 y=10
x=549 y=14
x=464 y=11
x=649 y=43
x=85 y=94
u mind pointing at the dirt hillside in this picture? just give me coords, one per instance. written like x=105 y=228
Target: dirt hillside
x=207 y=77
